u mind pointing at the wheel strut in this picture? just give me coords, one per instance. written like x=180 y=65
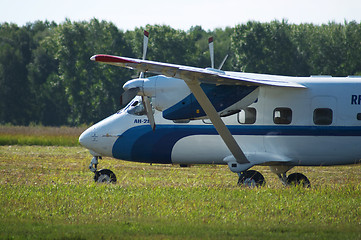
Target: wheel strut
x=94 y=163
x=283 y=178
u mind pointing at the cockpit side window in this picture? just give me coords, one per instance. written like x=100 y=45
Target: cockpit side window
x=135 y=103
x=137 y=108
x=127 y=107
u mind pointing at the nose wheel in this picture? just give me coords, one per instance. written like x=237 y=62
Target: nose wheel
x=103 y=175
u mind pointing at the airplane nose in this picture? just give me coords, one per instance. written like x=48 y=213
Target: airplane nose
x=85 y=139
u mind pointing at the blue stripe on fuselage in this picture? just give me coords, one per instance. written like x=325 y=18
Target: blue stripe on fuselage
x=141 y=144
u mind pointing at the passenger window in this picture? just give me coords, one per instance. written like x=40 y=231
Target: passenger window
x=247 y=116
x=322 y=116
x=282 y=116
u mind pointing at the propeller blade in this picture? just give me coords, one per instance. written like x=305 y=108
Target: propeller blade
x=145 y=44
x=211 y=50
x=145 y=47
x=224 y=60
x=127 y=96
x=149 y=110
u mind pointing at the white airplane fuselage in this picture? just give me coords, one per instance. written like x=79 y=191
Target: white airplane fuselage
x=319 y=125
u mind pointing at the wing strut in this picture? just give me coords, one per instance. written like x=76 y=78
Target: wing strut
x=221 y=128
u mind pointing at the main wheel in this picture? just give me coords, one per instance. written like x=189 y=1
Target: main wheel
x=251 y=178
x=296 y=179
x=105 y=176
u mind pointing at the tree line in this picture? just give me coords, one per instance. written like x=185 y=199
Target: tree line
x=46 y=76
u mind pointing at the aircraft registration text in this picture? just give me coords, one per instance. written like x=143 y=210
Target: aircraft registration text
x=356 y=100
x=141 y=121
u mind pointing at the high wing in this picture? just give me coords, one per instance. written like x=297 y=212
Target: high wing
x=190 y=73
x=193 y=77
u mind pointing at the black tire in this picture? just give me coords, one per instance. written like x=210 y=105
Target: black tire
x=105 y=176
x=251 y=178
x=298 y=179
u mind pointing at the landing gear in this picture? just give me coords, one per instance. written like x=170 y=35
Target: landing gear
x=101 y=176
x=298 y=179
x=94 y=164
x=251 y=178
x=105 y=176
x=294 y=179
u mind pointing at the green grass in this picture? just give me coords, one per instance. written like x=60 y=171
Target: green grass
x=48 y=192
x=39 y=135
x=37 y=140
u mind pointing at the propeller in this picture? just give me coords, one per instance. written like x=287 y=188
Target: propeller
x=149 y=110
x=135 y=87
x=145 y=47
x=211 y=51
x=146 y=99
x=127 y=96
x=224 y=60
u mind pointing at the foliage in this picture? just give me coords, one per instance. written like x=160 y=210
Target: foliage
x=298 y=50
x=48 y=193
x=46 y=76
x=15 y=52
x=91 y=90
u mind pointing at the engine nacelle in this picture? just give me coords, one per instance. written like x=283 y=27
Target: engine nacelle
x=173 y=97
x=164 y=91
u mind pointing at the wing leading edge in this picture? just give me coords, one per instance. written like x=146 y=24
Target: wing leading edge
x=190 y=73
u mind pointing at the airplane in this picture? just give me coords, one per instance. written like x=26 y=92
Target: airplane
x=188 y=115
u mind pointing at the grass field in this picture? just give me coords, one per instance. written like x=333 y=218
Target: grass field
x=39 y=135
x=47 y=192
